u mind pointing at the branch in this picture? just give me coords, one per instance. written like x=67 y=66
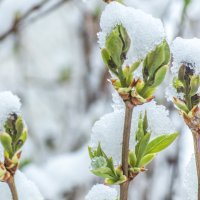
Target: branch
x=11 y=184
x=19 y=22
x=125 y=149
x=196 y=139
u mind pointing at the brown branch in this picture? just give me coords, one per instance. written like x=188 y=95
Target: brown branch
x=196 y=139
x=125 y=150
x=11 y=184
x=18 y=22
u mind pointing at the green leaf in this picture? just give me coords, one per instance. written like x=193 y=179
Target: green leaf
x=181 y=105
x=160 y=75
x=114 y=46
x=160 y=143
x=6 y=142
x=141 y=147
x=106 y=57
x=147 y=159
x=145 y=122
x=110 y=181
x=140 y=130
x=134 y=66
x=132 y=159
x=19 y=127
x=103 y=172
x=21 y=140
x=91 y=152
x=194 y=84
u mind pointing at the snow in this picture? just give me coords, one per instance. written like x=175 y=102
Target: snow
x=186 y=51
x=26 y=189
x=9 y=103
x=102 y=192
x=144 y=31
x=61 y=173
x=109 y=129
x=190 y=182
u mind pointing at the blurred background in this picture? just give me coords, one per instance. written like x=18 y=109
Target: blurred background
x=49 y=57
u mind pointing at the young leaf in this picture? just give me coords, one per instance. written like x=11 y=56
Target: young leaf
x=147 y=159
x=6 y=142
x=132 y=159
x=160 y=143
x=141 y=147
x=103 y=172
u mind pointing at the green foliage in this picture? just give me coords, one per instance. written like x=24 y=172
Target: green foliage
x=103 y=166
x=14 y=136
x=155 y=67
x=114 y=53
x=160 y=143
x=145 y=149
x=187 y=83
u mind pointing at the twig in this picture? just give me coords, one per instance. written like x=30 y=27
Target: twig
x=18 y=22
x=11 y=184
x=125 y=150
x=196 y=139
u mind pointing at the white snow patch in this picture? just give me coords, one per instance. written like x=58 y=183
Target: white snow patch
x=9 y=103
x=102 y=192
x=186 y=51
x=26 y=189
x=109 y=129
x=190 y=181
x=144 y=31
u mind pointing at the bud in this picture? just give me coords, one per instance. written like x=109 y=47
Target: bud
x=114 y=46
x=140 y=131
x=178 y=85
x=157 y=58
x=4 y=175
x=132 y=159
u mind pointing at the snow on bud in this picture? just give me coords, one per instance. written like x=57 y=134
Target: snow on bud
x=9 y=103
x=102 y=192
x=145 y=32
x=186 y=51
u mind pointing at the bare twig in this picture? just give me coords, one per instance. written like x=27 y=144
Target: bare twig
x=11 y=184
x=196 y=139
x=19 y=22
x=125 y=150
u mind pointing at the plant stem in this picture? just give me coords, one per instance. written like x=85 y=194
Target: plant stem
x=196 y=138
x=11 y=184
x=125 y=150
